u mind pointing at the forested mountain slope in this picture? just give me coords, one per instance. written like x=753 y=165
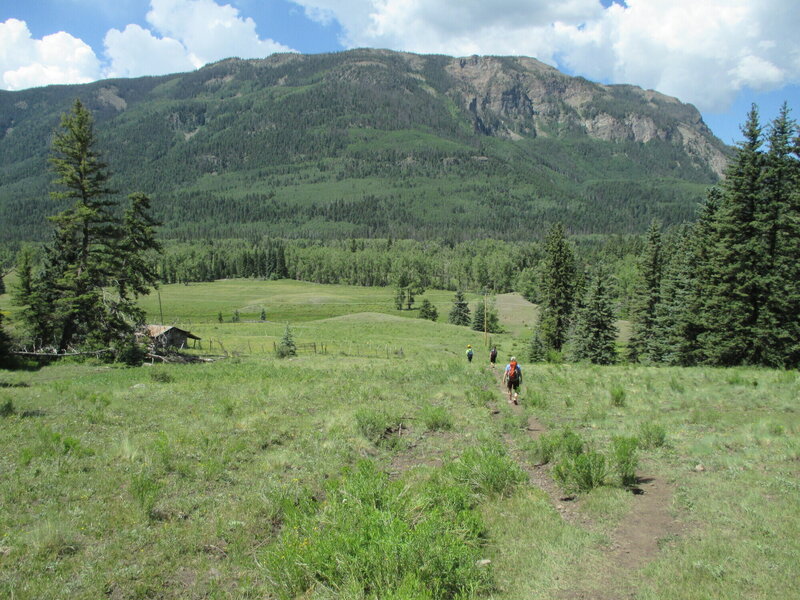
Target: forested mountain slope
x=371 y=143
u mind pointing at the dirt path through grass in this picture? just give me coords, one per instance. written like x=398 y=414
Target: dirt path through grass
x=635 y=540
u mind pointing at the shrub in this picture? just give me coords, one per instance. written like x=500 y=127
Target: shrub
x=623 y=454
x=487 y=470
x=160 y=376
x=652 y=435
x=581 y=473
x=379 y=427
x=556 y=444
x=617 y=396
x=436 y=418
x=7 y=408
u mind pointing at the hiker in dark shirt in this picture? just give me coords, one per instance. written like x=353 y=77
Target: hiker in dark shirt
x=493 y=356
x=469 y=352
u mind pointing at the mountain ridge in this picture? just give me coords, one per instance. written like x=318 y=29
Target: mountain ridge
x=512 y=127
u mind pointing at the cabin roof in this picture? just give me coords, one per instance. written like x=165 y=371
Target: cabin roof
x=157 y=330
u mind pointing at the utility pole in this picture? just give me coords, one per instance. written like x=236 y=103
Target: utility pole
x=485 y=322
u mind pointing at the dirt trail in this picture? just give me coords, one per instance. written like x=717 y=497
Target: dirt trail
x=633 y=543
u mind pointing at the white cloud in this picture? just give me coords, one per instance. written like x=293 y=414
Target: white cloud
x=702 y=52
x=135 y=51
x=186 y=34
x=57 y=58
x=210 y=31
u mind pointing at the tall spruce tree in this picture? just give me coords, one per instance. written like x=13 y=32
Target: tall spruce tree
x=737 y=256
x=485 y=318
x=93 y=269
x=642 y=345
x=595 y=333
x=558 y=288
x=459 y=314
x=754 y=291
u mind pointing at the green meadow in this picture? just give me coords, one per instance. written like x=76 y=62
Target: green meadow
x=386 y=466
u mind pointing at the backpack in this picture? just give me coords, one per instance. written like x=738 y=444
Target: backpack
x=513 y=371
x=469 y=352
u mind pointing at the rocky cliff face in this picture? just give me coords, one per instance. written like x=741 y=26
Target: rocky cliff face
x=517 y=97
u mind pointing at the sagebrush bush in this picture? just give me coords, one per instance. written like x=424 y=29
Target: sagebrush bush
x=583 y=472
x=624 y=458
x=436 y=418
x=652 y=435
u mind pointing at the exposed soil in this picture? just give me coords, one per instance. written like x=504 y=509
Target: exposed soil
x=633 y=543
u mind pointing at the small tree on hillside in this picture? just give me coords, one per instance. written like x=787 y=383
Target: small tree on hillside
x=428 y=311
x=263 y=314
x=459 y=314
x=537 y=352
x=287 y=346
x=485 y=317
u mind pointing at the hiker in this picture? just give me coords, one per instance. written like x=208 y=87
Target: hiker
x=493 y=356
x=512 y=377
x=469 y=352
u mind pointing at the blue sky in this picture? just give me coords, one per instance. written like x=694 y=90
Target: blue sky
x=720 y=55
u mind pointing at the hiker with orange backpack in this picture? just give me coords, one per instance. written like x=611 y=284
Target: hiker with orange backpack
x=512 y=378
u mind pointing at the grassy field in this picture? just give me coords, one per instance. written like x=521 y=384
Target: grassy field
x=387 y=467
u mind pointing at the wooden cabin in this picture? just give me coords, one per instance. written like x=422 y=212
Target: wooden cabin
x=168 y=336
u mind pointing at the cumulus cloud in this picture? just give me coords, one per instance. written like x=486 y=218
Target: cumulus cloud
x=58 y=58
x=188 y=34
x=135 y=51
x=183 y=35
x=702 y=52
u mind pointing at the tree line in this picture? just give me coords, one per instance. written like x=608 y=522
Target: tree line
x=722 y=290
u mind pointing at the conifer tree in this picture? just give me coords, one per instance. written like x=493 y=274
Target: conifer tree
x=93 y=270
x=536 y=350
x=428 y=311
x=648 y=292
x=558 y=288
x=287 y=347
x=459 y=314
x=595 y=333
x=485 y=317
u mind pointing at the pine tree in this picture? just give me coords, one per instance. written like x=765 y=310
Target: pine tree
x=648 y=290
x=94 y=268
x=485 y=317
x=737 y=257
x=287 y=347
x=459 y=314
x=595 y=333
x=263 y=314
x=428 y=311
x=558 y=286
x=777 y=328
x=536 y=349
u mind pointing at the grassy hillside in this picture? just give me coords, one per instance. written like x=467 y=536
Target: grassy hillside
x=341 y=475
